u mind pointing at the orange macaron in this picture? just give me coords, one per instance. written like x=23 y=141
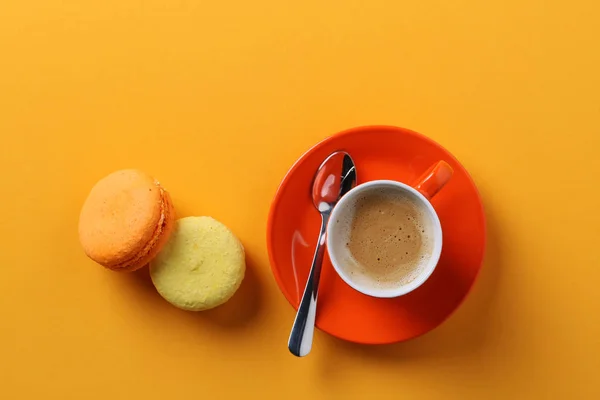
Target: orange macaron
x=126 y=220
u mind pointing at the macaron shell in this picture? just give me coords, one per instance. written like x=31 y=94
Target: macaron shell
x=162 y=234
x=124 y=213
x=201 y=266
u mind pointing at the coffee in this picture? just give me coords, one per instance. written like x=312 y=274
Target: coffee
x=388 y=237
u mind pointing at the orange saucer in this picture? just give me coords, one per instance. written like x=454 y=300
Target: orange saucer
x=379 y=152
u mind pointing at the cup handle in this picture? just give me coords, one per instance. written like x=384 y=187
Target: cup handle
x=434 y=179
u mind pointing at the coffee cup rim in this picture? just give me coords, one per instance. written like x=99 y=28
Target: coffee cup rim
x=433 y=259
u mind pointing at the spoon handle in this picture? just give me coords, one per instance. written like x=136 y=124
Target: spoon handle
x=301 y=337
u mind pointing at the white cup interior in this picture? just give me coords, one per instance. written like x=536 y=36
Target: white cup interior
x=338 y=234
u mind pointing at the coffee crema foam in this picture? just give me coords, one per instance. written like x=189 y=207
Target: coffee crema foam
x=387 y=235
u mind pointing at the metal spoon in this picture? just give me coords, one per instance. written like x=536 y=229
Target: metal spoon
x=334 y=178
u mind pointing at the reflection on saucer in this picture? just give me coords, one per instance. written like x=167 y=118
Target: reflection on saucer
x=297 y=237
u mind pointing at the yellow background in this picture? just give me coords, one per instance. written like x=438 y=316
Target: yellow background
x=217 y=99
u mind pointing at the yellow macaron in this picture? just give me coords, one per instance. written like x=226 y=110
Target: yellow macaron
x=201 y=266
